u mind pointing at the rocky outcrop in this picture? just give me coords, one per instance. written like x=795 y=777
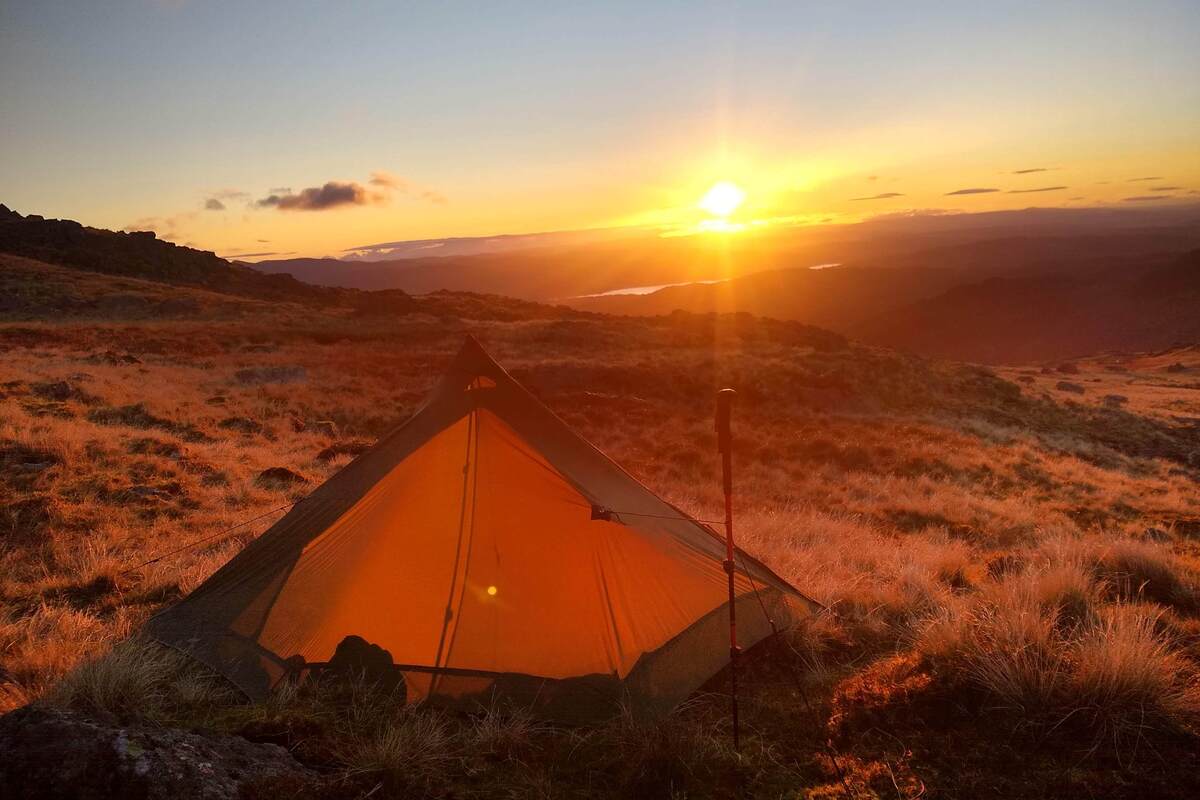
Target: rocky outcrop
x=59 y=754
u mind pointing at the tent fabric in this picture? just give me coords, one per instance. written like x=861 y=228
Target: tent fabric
x=494 y=554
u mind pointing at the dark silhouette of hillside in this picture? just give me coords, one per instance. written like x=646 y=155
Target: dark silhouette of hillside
x=142 y=255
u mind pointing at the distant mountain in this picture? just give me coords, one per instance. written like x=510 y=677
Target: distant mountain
x=1051 y=292
x=1012 y=320
x=561 y=267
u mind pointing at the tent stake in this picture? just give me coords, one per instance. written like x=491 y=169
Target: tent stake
x=725 y=446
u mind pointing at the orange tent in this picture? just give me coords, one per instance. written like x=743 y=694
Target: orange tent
x=493 y=553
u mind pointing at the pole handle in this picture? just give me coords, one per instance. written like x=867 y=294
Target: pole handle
x=724 y=407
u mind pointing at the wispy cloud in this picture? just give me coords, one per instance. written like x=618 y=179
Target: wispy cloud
x=388 y=180
x=1142 y=198
x=257 y=255
x=1165 y=188
x=216 y=201
x=1031 y=169
x=333 y=194
x=970 y=191
x=883 y=196
x=1041 y=189
x=1147 y=178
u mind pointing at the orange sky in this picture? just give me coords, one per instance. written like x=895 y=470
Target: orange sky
x=311 y=128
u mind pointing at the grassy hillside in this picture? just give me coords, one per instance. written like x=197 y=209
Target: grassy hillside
x=1010 y=558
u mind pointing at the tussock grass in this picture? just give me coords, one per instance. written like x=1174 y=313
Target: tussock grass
x=142 y=678
x=996 y=541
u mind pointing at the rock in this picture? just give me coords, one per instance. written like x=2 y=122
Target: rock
x=1027 y=379
x=1068 y=368
x=278 y=478
x=351 y=448
x=60 y=754
x=1176 y=367
x=240 y=424
x=1067 y=386
x=217 y=400
x=326 y=427
x=58 y=390
x=277 y=374
x=1115 y=400
x=357 y=659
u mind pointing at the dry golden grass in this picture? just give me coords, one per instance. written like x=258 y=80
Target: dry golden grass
x=1027 y=561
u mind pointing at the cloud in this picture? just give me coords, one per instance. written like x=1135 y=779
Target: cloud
x=970 y=191
x=1042 y=189
x=1031 y=169
x=1142 y=198
x=381 y=186
x=168 y=228
x=215 y=201
x=321 y=198
x=883 y=196
x=258 y=255
x=263 y=241
x=1148 y=178
x=872 y=177
x=1165 y=188
x=388 y=180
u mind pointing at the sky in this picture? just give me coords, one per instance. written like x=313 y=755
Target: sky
x=308 y=128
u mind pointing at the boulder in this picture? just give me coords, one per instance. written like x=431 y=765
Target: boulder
x=1067 y=386
x=60 y=754
x=278 y=478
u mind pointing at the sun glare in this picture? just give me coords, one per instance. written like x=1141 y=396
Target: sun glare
x=722 y=199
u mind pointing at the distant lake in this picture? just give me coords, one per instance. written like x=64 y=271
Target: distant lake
x=655 y=287
x=652 y=289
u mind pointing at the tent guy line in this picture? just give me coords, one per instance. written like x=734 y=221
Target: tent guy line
x=216 y=536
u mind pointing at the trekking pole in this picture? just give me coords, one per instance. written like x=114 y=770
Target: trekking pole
x=725 y=447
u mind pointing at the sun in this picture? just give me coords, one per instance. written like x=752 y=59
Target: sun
x=722 y=199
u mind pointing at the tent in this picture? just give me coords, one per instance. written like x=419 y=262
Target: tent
x=493 y=553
